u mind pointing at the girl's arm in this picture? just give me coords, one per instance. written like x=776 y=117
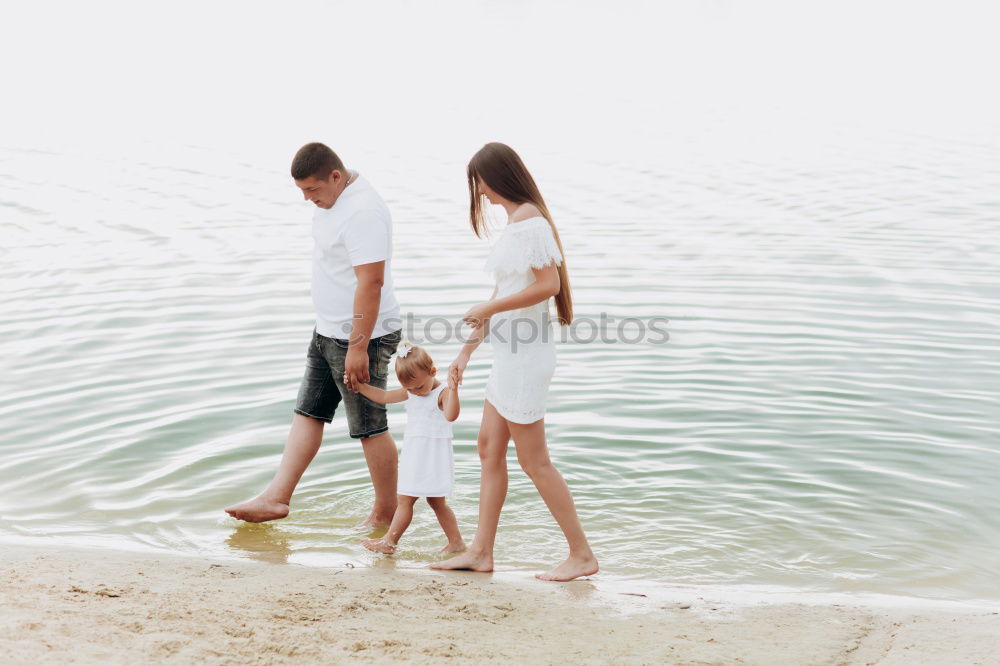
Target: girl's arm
x=448 y=402
x=382 y=396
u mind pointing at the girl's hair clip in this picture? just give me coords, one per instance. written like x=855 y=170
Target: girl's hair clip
x=404 y=350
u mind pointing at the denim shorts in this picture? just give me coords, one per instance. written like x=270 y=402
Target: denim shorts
x=323 y=388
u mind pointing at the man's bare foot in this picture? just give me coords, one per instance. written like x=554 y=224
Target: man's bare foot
x=570 y=569
x=379 y=546
x=453 y=548
x=258 y=510
x=467 y=560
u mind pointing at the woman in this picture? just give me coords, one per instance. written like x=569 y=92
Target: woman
x=527 y=262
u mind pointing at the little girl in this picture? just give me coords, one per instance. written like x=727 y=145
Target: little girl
x=426 y=468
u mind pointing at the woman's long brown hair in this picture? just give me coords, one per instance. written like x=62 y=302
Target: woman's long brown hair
x=503 y=172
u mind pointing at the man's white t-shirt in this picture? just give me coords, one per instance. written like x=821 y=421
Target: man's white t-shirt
x=356 y=230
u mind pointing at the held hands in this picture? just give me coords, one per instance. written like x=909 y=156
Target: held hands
x=456 y=371
x=356 y=368
x=476 y=318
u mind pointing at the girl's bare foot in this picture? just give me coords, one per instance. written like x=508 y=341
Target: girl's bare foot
x=258 y=510
x=467 y=560
x=453 y=548
x=573 y=567
x=379 y=546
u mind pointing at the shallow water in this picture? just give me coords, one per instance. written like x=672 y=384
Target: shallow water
x=823 y=415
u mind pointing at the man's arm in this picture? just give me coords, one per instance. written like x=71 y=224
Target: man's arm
x=367 y=297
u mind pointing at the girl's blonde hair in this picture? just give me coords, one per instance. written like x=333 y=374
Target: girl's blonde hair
x=411 y=360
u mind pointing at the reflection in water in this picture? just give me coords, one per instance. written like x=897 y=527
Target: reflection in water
x=267 y=543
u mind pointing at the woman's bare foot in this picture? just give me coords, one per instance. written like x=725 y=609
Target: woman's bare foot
x=453 y=548
x=467 y=560
x=573 y=567
x=258 y=510
x=376 y=521
x=379 y=546
x=373 y=524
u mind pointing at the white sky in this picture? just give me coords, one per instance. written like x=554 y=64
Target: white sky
x=442 y=76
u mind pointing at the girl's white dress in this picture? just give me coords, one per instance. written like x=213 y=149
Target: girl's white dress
x=426 y=467
x=524 y=351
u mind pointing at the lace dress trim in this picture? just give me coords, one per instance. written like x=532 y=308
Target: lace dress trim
x=522 y=246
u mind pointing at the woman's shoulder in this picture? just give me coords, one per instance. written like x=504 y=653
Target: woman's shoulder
x=525 y=211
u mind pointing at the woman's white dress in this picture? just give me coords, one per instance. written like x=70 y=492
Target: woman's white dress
x=524 y=351
x=426 y=467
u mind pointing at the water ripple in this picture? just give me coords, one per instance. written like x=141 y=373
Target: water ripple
x=824 y=414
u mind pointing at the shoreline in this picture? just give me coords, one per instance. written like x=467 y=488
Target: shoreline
x=604 y=588
x=91 y=605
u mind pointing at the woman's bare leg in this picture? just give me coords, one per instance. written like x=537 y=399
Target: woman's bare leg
x=303 y=442
x=533 y=454
x=493 y=439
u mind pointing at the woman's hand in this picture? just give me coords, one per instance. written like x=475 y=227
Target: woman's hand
x=456 y=371
x=478 y=314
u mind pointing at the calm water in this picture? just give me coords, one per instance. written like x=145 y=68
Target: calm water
x=824 y=415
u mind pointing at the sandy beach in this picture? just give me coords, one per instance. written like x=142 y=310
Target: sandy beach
x=62 y=605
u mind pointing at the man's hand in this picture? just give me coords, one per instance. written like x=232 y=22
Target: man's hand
x=356 y=368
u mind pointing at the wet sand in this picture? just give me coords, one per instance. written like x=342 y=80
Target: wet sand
x=62 y=605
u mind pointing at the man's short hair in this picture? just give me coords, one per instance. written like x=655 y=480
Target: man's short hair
x=315 y=159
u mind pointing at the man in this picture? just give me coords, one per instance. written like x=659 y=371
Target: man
x=357 y=330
